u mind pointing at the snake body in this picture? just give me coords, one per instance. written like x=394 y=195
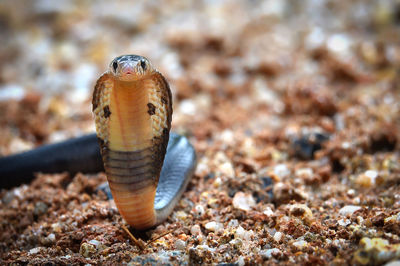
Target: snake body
x=132 y=105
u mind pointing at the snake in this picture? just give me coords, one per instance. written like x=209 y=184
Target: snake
x=147 y=166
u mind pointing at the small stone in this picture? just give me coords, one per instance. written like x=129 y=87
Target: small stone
x=375 y=251
x=243 y=201
x=349 y=210
x=34 y=250
x=278 y=236
x=367 y=179
x=226 y=169
x=180 y=244
x=281 y=170
x=268 y=211
x=269 y=253
x=87 y=250
x=237 y=242
x=213 y=226
x=40 y=208
x=51 y=237
x=233 y=223
x=240 y=261
x=181 y=215
x=305 y=146
x=195 y=229
x=344 y=222
x=199 y=209
x=304 y=173
x=300 y=244
x=244 y=234
x=301 y=210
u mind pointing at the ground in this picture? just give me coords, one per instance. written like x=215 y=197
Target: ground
x=292 y=107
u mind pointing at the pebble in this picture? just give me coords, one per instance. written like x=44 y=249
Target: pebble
x=11 y=92
x=226 y=169
x=243 y=201
x=269 y=253
x=305 y=146
x=375 y=251
x=301 y=210
x=237 y=242
x=214 y=226
x=304 y=173
x=243 y=234
x=268 y=211
x=34 y=250
x=240 y=261
x=233 y=223
x=367 y=179
x=40 y=208
x=344 y=222
x=195 y=229
x=349 y=210
x=180 y=244
x=87 y=250
x=199 y=209
x=300 y=244
x=278 y=236
x=281 y=170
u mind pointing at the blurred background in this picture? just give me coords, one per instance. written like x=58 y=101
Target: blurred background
x=221 y=57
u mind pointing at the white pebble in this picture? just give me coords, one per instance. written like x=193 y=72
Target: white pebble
x=51 y=237
x=213 y=226
x=226 y=169
x=281 y=170
x=349 y=210
x=34 y=250
x=233 y=223
x=304 y=173
x=268 y=211
x=267 y=254
x=243 y=201
x=344 y=222
x=240 y=261
x=278 y=236
x=300 y=244
x=199 y=210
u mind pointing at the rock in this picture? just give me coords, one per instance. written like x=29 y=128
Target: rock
x=349 y=210
x=269 y=253
x=300 y=244
x=243 y=201
x=376 y=251
x=195 y=229
x=40 y=208
x=302 y=211
x=87 y=250
x=180 y=244
x=281 y=171
x=368 y=179
x=305 y=146
x=278 y=236
x=199 y=209
x=34 y=250
x=214 y=226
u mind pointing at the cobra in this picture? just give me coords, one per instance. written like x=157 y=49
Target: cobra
x=147 y=168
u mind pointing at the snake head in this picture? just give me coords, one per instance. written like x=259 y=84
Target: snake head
x=130 y=67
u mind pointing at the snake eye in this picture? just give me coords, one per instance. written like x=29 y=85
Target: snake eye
x=143 y=65
x=115 y=66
